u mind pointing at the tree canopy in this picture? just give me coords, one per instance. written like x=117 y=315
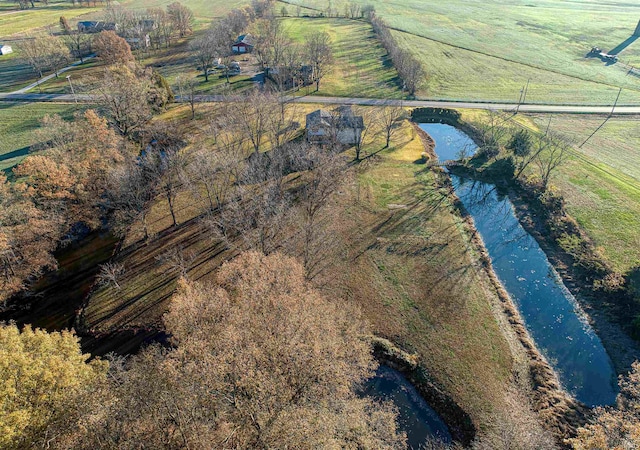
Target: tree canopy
x=42 y=375
x=261 y=360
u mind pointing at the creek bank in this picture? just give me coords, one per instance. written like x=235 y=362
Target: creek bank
x=558 y=410
x=607 y=312
x=610 y=312
x=457 y=420
x=56 y=300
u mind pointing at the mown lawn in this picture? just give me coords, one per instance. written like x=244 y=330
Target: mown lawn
x=14 y=72
x=19 y=121
x=550 y=36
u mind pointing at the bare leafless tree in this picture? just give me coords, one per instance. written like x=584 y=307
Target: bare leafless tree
x=188 y=90
x=205 y=53
x=111 y=273
x=555 y=155
x=129 y=196
x=315 y=219
x=319 y=53
x=256 y=218
x=177 y=260
x=182 y=18
x=370 y=120
x=251 y=115
x=79 y=44
x=390 y=120
x=212 y=174
x=164 y=162
x=493 y=131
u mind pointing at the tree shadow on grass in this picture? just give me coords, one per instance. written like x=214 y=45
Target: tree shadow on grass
x=24 y=151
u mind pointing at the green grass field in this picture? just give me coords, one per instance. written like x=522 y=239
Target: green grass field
x=19 y=120
x=14 y=21
x=541 y=40
x=360 y=68
x=601 y=183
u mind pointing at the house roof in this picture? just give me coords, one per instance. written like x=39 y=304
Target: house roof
x=244 y=39
x=341 y=118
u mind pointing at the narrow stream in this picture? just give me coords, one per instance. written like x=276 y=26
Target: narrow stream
x=554 y=319
x=415 y=416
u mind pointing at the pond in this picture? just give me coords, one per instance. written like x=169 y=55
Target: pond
x=551 y=313
x=415 y=416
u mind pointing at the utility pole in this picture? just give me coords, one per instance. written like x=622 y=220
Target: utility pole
x=520 y=100
x=72 y=91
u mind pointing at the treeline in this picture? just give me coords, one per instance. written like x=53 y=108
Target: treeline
x=26 y=4
x=409 y=69
x=161 y=25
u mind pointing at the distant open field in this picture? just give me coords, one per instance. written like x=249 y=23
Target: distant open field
x=13 y=21
x=19 y=120
x=520 y=39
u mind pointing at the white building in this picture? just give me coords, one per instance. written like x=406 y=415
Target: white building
x=5 y=49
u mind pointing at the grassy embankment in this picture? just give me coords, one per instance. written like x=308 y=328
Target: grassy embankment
x=19 y=121
x=487 y=50
x=409 y=263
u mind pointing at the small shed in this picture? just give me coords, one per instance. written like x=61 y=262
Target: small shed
x=5 y=49
x=244 y=44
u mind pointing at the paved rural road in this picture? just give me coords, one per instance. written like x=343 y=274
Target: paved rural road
x=565 y=109
x=48 y=77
